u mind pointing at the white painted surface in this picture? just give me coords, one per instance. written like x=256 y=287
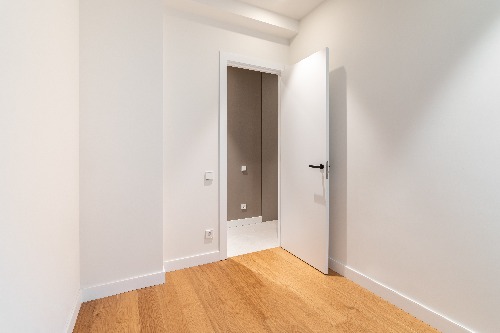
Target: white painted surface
x=242 y=222
x=199 y=259
x=77 y=303
x=414 y=95
x=402 y=301
x=191 y=123
x=250 y=238
x=122 y=286
x=39 y=256
x=240 y=16
x=255 y=13
x=295 y=9
x=121 y=139
x=246 y=62
x=304 y=141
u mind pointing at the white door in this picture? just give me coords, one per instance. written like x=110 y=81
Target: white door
x=304 y=150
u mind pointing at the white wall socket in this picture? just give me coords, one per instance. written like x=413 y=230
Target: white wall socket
x=209 y=234
x=243 y=206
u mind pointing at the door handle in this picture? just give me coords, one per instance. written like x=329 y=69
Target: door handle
x=321 y=166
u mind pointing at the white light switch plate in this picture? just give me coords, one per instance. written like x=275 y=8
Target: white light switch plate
x=209 y=175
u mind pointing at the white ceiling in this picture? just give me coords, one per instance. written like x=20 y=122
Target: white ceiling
x=295 y=9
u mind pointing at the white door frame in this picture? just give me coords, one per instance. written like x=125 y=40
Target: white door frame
x=240 y=61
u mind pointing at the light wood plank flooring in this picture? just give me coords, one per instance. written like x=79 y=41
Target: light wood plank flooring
x=267 y=291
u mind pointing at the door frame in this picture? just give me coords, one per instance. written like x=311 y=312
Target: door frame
x=227 y=59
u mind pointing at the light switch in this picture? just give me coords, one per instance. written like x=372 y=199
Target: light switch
x=243 y=168
x=209 y=175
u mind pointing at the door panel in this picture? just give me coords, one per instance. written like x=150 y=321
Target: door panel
x=304 y=141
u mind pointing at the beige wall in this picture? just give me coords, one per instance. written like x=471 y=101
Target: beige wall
x=39 y=246
x=252 y=140
x=121 y=139
x=244 y=146
x=415 y=137
x=269 y=147
x=191 y=125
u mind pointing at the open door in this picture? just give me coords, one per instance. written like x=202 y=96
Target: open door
x=305 y=161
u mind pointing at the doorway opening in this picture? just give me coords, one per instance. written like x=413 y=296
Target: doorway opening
x=303 y=155
x=252 y=161
x=260 y=215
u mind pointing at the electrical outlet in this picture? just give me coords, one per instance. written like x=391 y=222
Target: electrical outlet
x=243 y=206
x=209 y=234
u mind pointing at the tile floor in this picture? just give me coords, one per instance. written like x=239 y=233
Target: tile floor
x=251 y=238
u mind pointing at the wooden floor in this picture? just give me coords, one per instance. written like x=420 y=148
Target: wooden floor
x=267 y=291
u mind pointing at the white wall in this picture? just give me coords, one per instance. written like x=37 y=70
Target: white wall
x=415 y=142
x=121 y=139
x=191 y=79
x=39 y=259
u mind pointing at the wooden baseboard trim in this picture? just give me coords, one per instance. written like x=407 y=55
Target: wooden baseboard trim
x=200 y=259
x=70 y=325
x=122 y=286
x=409 y=305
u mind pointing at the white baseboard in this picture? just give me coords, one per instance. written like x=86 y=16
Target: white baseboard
x=70 y=325
x=242 y=222
x=414 y=308
x=200 y=259
x=122 y=286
